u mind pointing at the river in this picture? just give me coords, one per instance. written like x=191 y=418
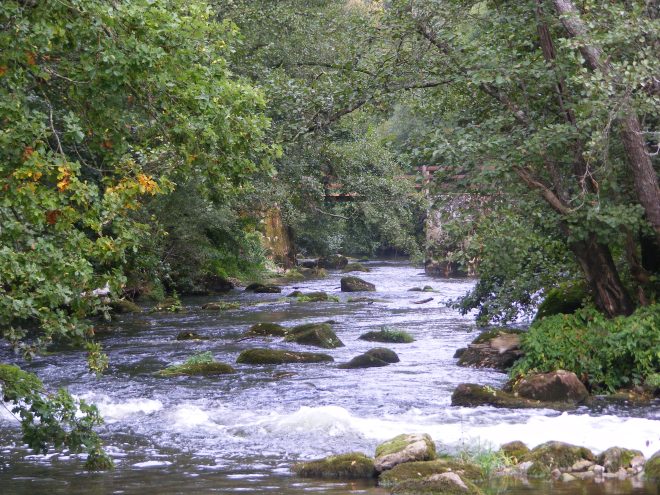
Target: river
x=240 y=433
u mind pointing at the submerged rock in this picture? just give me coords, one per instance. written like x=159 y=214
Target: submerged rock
x=272 y=356
x=373 y=358
x=497 y=349
x=354 y=465
x=313 y=296
x=404 y=448
x=438 y=484
x=355 y=284
x=556 y=455
x=221 y=306
x=171 y=304
x=415 y=471
x=189 y=335
x=197 y=369
x=355 y=267
x=473 y=395
x=556 y=386
x=266 y=330
x=388 y=335
x=316 y=334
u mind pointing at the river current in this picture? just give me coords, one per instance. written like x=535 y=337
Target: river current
x=240 y=433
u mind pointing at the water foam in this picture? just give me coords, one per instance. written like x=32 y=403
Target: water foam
x=115 y=411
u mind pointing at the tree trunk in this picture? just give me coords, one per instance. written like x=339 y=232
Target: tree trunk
x=602 y=276
x=639 y=161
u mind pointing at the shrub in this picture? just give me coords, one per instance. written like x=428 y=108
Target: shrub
x=606 y=354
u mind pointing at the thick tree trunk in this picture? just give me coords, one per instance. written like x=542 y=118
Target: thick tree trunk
x=602 y=276
x=644 y=176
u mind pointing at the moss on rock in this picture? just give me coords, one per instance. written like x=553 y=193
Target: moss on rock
x=266 y=330
x=384 y=354
x=354 y=465
x=388 y=335
x=415 y=471
x=125 y=306
x=273 y=356
x=403 y=449
x=652 y=467
x=474 y=395
x=555 y=455
x=514 y=451
x=436 y=486
x=221 y=306
x=373 y=358
x=565 y=299
x=355 y=267
x=355 y=284
x=197 y=369
x=616 y=458
x=316 y=334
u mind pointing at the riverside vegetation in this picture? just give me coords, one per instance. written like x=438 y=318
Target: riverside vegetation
x=141 y=142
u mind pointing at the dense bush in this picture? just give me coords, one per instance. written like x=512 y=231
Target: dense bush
x=605 y=353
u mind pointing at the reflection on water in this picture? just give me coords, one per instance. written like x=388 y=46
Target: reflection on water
x=240 y=433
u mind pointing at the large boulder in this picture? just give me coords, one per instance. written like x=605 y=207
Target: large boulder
x=556 y=386
x=616 y=458
x=438 y=484
x=356 y=284
x=266 y=329
x=497 y=349
x=415 y=471
x=316 y=334
x=556 y=455
x=273 y=356
x=652 y=467
x=332 y=262
x=376 y=357
x=354 y=465
x=474 y=395
x=404 y=448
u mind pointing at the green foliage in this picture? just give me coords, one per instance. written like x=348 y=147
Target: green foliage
x=605 y=353
x=485 y=457
x=53 y=420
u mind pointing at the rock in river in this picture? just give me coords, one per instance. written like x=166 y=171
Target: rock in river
x=556 y=386
x=354 y=465
x=404 y=448
x=316 y=334
x=273 y=356
x=497 y=349
x=373 y=358
x=356 y=284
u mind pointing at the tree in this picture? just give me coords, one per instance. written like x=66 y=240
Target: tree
x=103 y=106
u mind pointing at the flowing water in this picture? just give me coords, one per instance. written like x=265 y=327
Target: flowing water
x=240 y=433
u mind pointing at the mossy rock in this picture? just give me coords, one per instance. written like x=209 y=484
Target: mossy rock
x=221 y=306
x=354 y=465
x=565 y=299
x=616 y=458
x=474 y=395
x=514 y=451
x=266 y=330
x=492 y=334
x=403 y=449
x=316 y=297
x=391 y=336
x=415 y=471
x=428 y=288
x=555 y=455
x=316 y=334
x=387 y=355
x=197 y=369
x=189 y=335
x=652 y=467
x=355 y=284
x=125 y=306
x=355 y=267
x=294 y=275
x=295 y=293
x=272 y=356
x=415 y=289
x=368 y=300
x=332 y=262
x=437 y=485
x=364 y=361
